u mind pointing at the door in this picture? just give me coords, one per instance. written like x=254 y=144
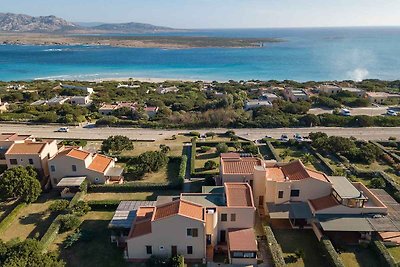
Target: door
x=174 y=251
x=222 y=236
x=208 y=239
x=261 y=201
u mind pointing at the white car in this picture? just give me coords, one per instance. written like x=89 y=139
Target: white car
x=298 y=138
x=284 y=138
x=63 y=130
x=345 y=112
x=391 y=112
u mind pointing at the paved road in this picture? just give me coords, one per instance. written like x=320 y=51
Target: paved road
x=369 y=111
x=48 y=131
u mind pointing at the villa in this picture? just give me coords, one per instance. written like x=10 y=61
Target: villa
x=380 y=97
x=109 y=109
x=195 y=225
x=295 y=95
x=254 y=103
x=88 y=90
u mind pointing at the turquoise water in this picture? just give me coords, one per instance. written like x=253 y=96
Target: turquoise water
x=306 y=54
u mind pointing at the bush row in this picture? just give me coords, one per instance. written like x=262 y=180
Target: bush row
x=273 y=151
x=332 y=255
x=78 y=196
x=274 y=248
x=6 y=222
x=324 y=162
x=384 y=256
x=132 y=187
x=193 y=159
x=51 y=233
x=182 y=170
x=104 y=205
x=390 y=153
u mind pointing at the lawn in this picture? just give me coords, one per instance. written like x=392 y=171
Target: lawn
x=33 y=220
x=354 y=256
x=294 y=153
x=304 y=241
x=202 y=158
x=5 y=208
x=395 y=252
x=380 y=166
x=97 y=250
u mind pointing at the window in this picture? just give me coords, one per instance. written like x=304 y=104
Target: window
x=280 y=194
x=74 y=168
x=53 y=168
x=189 y=250
x=30 y=161
x=149 y=249
x=238 y=254
x=224 y=217
x=193 y=232
x=295 y=193
x=13 y=162
x=161 y=247
x=233 y=217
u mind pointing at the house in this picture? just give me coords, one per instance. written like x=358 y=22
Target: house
x=80 y=100
x=328 y=89
x=298 y=197
x=165 y=90
x=8 y=139
x=16 y=87
x=74 y=162
x=3 y=106
x=254 y=103
x=88 y=90
x=195 y=225
x=57 y=100
x=108 y=109
x=380 y=97
x=295 y=95
x=235 y=167
x=151 y=111
x=269 y=96
x=31 y=153
x=120 y=85
x=356 y=91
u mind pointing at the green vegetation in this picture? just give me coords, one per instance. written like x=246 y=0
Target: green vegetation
x=359 y=255
x=333 y=257
x=21 y=183
x=116 y=144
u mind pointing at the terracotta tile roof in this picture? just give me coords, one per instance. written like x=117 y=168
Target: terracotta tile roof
x=26 y=148
x=242 y=240
x=180 y=207
x=13 y=137
x=141 y=228
x=275 y=174
x=295 y=170
x=78 y=154
x=324 y=203
x=100 y=163
x=144 y=213
x=108 y=106
x=238 y=195
x=234 y=164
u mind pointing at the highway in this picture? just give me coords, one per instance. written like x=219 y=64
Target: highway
x=92 y=133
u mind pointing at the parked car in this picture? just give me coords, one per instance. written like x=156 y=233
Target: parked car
x=391 y=112
x=345 y=112
x=284 y=138
x=63 y=130
x=298 y=138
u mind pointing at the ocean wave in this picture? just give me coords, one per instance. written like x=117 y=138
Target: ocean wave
x=54 y=50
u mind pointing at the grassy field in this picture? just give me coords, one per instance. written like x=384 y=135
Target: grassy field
x=33 y=221
x=357 y=256
x=129 y=196
x=5 y=208
x=395 y=252
x=300 y=240
x=97 y=250
x=293 y=153
x=202 y=158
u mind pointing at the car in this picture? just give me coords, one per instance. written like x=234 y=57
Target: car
x=268 y=136
x=298 y=137
x=284 y=138
x=391 y=112
x=63 y=130
x=345 y=112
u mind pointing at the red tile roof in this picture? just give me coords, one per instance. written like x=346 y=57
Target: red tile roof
x=242 y=240
x=238 y=195
x=142 y=223
x=295 y=170
x=78 y=154
x=232 y=163
x=100 y=163
x=26 y=148
x=324 y=203
x=13 y=137
x=180 y=207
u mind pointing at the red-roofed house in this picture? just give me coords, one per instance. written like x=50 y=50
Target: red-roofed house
x=73 y=162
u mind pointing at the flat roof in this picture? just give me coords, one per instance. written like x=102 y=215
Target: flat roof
x=393 y=207
x=205 y=200
x=213 y=189
x=291 y=210
x=126 y=213
x=344 y=187
x=341 y=223
x=71 y=181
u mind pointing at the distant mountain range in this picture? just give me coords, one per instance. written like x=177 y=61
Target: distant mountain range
x=15 y=23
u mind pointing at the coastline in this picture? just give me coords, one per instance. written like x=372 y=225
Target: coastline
x=129 y=79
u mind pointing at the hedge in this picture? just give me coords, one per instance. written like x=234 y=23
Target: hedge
x=78 y=196
x=50 y=234
x=132 y=187
x=274 y=248
x=324 y=162
x=273 y=151
x=104 y=205
x=182 y=170
x=384 y=256
x=193 y=159
x=390 y=153
x=332 y=255
x=6 y=222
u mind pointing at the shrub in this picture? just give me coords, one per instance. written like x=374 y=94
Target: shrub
x=205 y=149
x=6 y=222
x=222 y=148
x=72 y=239
x=51 y=233
x=195 y=134
x=384 y=256
x=69 y=222
x=251 y=148
x=397 y=196
x=182 y=170
x=332 y=255
x=274 y=248
x=80 y=208
x=116 y=144
x=211 y=134
x=59 y=205
x=210 y=165
x=230 y=133
x=378 y=183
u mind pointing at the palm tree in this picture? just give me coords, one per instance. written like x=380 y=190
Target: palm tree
x=307 y=158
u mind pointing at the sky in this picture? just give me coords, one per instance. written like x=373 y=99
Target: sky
x=218 y=13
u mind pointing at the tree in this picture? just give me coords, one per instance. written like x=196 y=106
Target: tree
x=230 y=133
x=251 y=148
x=222 y=148
x=307 y=158
x=20 y=183
x=210 y=165
x=116 y=144
x=165 y=149
x=237 y=146
x=27 y=253
x=204 y=149
x=59 y=205
x=378 y=183
x=211 y=134
x=69 y=222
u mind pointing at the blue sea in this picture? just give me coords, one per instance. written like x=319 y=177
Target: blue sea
x=306 y=54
